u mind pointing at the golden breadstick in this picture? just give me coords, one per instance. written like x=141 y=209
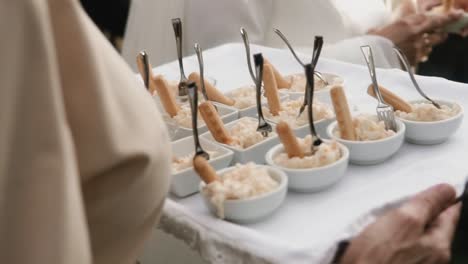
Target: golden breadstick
x=343 y=115
x=204 y=170
x=280 y=80
x=211 y=91
x=141 y=68
x=214 y=123
x=448 y=4
x=392 y=99
x=271 y=90
x=166 y=95
x=289 y=140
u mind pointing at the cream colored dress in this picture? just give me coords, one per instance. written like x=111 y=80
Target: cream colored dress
x=84 y=154
x=343 y=23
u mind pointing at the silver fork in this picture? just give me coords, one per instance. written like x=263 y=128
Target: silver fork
x=407 y=65
x=286 y=41
x=263 y=127
x=177 y=25
x=193 y=99
x=385 y=112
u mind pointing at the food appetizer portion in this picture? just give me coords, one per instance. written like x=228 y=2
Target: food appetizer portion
x=296 y=83
x=240 y=136
x=366 y=137
x=427 y=112
x=309 y=168
x=180 y=113
x=288 y=110
x=243 y=193
x=426 y=122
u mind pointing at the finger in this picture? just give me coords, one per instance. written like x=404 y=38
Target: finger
x=439 y=236
x=437 y=38
x=427 y=205
x=433 y=22
x=443 y=228
x=428 y=5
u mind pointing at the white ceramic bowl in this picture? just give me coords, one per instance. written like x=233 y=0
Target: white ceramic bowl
x=227 y=114
x=255 y=153
x=323 y=94
x=374 y=151
x=430 y=133
x=185 y=182
x=311 y=179
x=255 y=208
x=251 y=111
x=321 y=127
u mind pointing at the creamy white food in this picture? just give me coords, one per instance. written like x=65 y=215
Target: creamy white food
x=298 y=82
x=244 y=97
x=327 y=153
x=290 y=110
x=367 y=128
x=427 y=112
x=243 y=182
x=244 y=133
x=184 y=117
x=186 y=161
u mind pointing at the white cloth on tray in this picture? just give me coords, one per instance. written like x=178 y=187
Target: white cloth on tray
x=307 y=227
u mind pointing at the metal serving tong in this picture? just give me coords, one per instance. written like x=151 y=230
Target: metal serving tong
x=192 y=92
x=263 y=126
x=318 y=44
x=199 y=53
x=286 y=41
x=143 y=60
x=407 y=65
x=177 y=25
x=245 y=38
x=385 y=112
x=309 y=73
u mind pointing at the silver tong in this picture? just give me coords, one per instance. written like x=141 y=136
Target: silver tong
x=193 y=99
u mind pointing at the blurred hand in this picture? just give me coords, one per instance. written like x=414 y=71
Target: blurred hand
x=415 y=33
x=426 y=5
x=459 y=5
x=420 y=231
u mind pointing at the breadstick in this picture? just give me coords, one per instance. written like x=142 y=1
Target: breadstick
x=165 y=94
x=212 y=92
x=214 y=123
x=271 y=90
x=289 y=140
x=280 y=80
x=141 y=68
x=204 y=170
x=390 y=98
x=343 y=115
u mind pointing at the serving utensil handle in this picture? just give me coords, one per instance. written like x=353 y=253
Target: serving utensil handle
x=369 y=58
x=245 y=38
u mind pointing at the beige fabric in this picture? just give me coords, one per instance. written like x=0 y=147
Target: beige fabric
x=84 y=154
